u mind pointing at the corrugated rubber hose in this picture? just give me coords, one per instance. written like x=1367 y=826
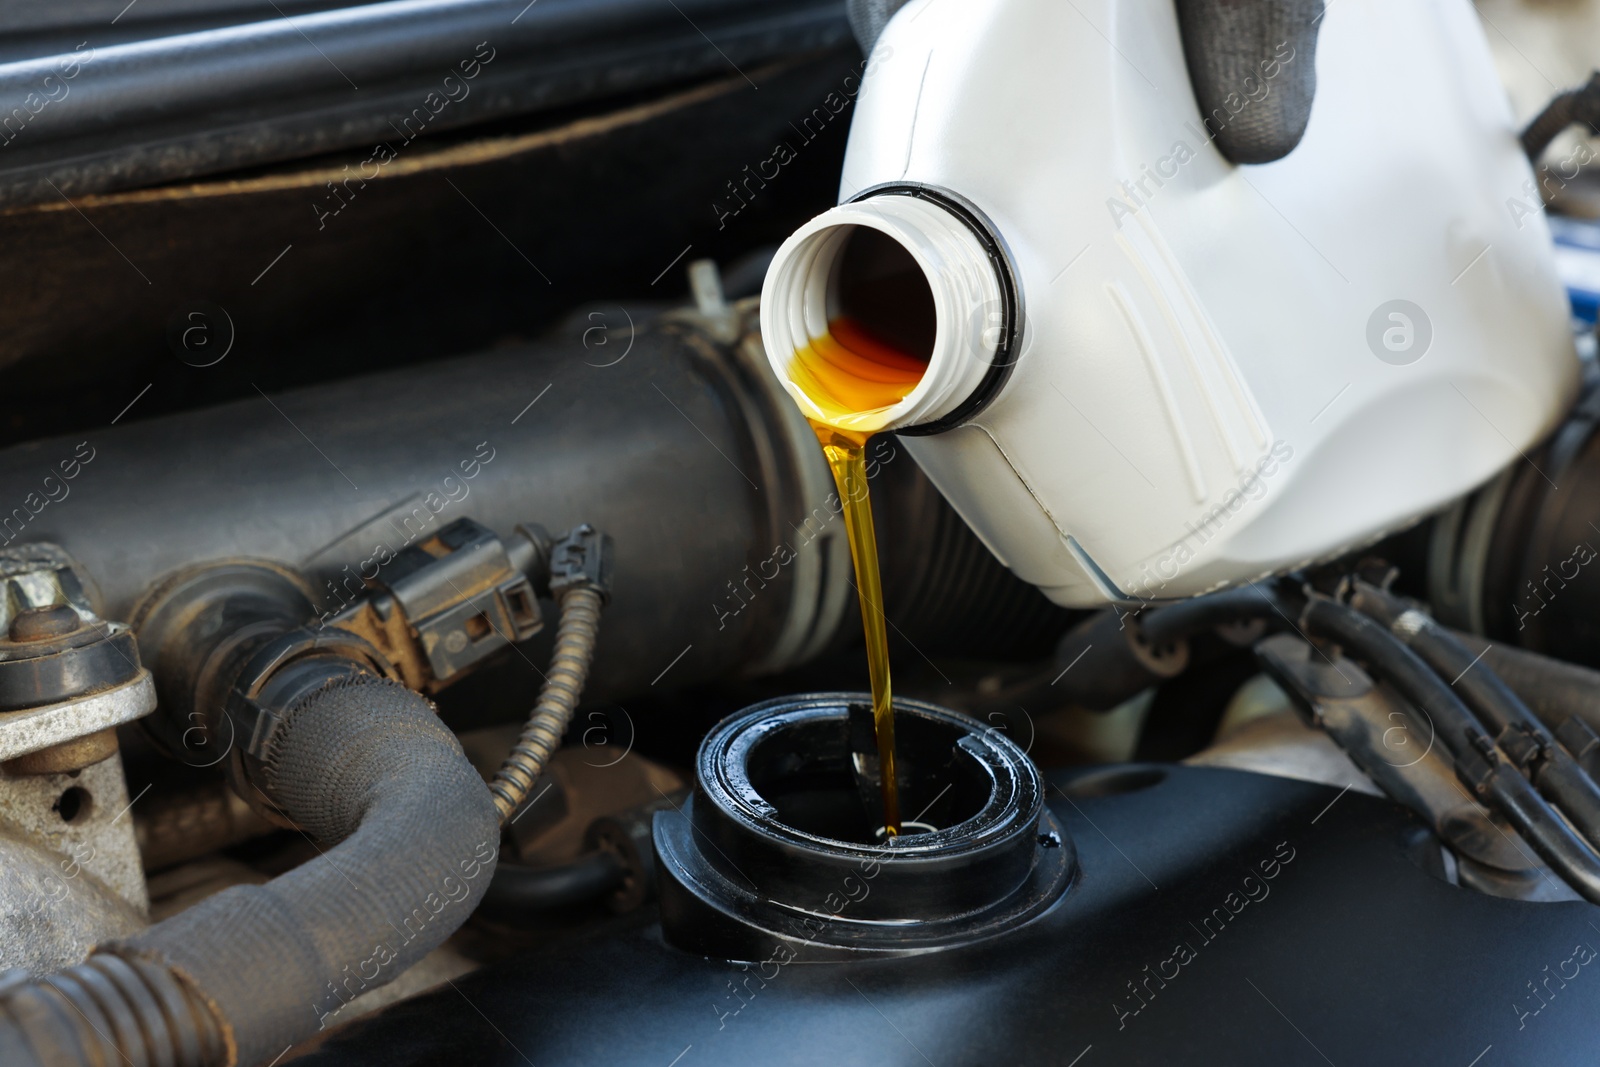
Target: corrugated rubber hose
x=558 y=698
x=408 y=839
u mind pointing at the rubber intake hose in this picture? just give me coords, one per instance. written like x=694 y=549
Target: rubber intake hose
x=518 y=892
x=1107 y=659
x=1197 y=615
x=408 y=839
x=1115 y=654
x=107 y=1011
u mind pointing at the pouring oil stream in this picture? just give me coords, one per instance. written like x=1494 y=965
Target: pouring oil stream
x=843 y=372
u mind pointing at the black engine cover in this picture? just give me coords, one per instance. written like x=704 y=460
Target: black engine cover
x=1220 y=917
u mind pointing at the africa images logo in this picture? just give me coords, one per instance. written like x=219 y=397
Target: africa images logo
x=1399 y=332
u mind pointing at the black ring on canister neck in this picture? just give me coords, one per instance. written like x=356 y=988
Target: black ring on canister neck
x=1008 y=350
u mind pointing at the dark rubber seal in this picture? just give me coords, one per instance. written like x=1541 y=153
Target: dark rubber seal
x=1006 y=353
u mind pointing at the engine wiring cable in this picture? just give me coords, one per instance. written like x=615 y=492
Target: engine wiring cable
x=1469 y=723
x=576 y=634
x=1531 y=747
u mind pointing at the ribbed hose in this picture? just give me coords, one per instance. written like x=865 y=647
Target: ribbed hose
x=110 y=1011
x=407 y=843
x=558 y=699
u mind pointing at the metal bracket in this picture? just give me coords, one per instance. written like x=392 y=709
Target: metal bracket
x=22 y=732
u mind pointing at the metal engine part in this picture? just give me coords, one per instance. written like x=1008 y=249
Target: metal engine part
x=70 y=870
x=53 y=910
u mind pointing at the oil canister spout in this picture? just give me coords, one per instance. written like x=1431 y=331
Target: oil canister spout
x=883 y=313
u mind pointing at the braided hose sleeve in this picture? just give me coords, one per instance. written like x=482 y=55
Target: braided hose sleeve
x=407 y=841
x=558 y=699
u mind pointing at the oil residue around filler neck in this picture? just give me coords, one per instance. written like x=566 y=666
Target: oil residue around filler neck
x=847 y=370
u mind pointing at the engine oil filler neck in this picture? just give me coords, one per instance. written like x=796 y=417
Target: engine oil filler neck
x=778 y=851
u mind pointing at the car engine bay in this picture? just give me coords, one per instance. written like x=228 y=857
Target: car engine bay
x=696 y=532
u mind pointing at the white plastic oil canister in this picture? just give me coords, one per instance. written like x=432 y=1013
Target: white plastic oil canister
x=1153 y=372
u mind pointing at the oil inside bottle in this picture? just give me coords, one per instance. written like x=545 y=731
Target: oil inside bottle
x=846 y=371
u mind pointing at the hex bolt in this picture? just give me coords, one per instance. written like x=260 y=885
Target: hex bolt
x=42 y=624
